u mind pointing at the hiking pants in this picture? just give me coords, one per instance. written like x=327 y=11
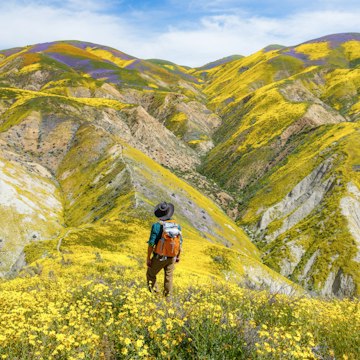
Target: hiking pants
x=156 y=265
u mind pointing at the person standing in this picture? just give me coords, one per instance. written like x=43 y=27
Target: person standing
x=164 y=247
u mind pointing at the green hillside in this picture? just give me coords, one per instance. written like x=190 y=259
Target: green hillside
x=288 y=147
x=73 y=150
x=91 y=135
x=86 y=298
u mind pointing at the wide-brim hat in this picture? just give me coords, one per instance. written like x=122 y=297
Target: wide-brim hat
x=164 y=210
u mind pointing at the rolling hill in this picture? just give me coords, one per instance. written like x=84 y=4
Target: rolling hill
x=86 y=141
x=260 y=155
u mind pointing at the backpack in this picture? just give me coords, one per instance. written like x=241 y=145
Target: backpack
x=169 y=243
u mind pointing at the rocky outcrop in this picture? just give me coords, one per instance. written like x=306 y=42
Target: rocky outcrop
x=30 y=207
x=45 y=138
x=108 y=91
x=350 y=208
x=260 y=279
x=289 y=263
x=155 y=140
x=48 y=136
x=297 y=92
x=201 y=124
x=315 y=116
x=318 y=113
x=303 y=277
x=339 y=284
x=299 y=202
x=209 y=188
x=80 y=91
x=292 y=241
x=198 y=123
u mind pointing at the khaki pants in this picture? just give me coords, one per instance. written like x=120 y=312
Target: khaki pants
x=156 y=265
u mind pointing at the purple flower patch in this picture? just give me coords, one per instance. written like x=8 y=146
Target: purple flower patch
x=134 y=65
x=118 y=53
x=319 y=62
x=185 y=76
x=74 y=62
x=98 y=73
x=83 y=45
x=229 y=100
x=88 y=66
x=297 y=55
x=10 y=52
x=40 y=47
x=106 y=74
x=336 y=40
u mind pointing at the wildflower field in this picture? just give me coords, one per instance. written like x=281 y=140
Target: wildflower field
x=86 y=302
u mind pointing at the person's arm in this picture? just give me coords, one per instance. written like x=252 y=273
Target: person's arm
x=181 y=240
x=148 y=259
x=178 y=256
x=152 y=240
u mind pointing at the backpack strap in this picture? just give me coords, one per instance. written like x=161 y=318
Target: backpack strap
x=159 y=236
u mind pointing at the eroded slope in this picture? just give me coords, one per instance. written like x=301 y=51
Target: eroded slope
x=288 y=147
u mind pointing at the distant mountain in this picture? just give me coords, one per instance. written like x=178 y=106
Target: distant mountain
x=274 y=47
x=219 y=62
x=91 y=137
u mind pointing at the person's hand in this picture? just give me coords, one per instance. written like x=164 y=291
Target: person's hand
x=148 y=262
x=177 y=259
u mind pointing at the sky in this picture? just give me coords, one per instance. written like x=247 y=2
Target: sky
x=187 y=32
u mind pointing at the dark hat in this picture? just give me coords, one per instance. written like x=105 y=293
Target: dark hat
x=164 y=210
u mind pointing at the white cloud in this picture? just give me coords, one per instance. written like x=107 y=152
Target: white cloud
x=210 y=38
x=219 y=36
x=28 y=24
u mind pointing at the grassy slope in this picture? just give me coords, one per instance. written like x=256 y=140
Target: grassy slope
x=106 y=180
x=101 y=179
x=102 y=63
x=89 y=300
x=249 y=89
x=30 y=208
x=258 y=167
x=83 y=70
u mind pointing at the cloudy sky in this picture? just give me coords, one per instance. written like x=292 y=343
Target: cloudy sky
x=187 y=32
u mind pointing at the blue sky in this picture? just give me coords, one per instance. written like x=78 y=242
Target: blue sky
x=187 y=32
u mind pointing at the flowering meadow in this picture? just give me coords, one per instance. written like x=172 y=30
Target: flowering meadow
x=90 y=303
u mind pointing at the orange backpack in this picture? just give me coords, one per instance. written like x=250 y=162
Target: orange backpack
x=169 y=243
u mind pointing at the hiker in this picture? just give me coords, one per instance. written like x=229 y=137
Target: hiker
x=165 y=244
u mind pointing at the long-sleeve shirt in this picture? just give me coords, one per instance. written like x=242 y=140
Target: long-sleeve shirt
x=156 y=232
